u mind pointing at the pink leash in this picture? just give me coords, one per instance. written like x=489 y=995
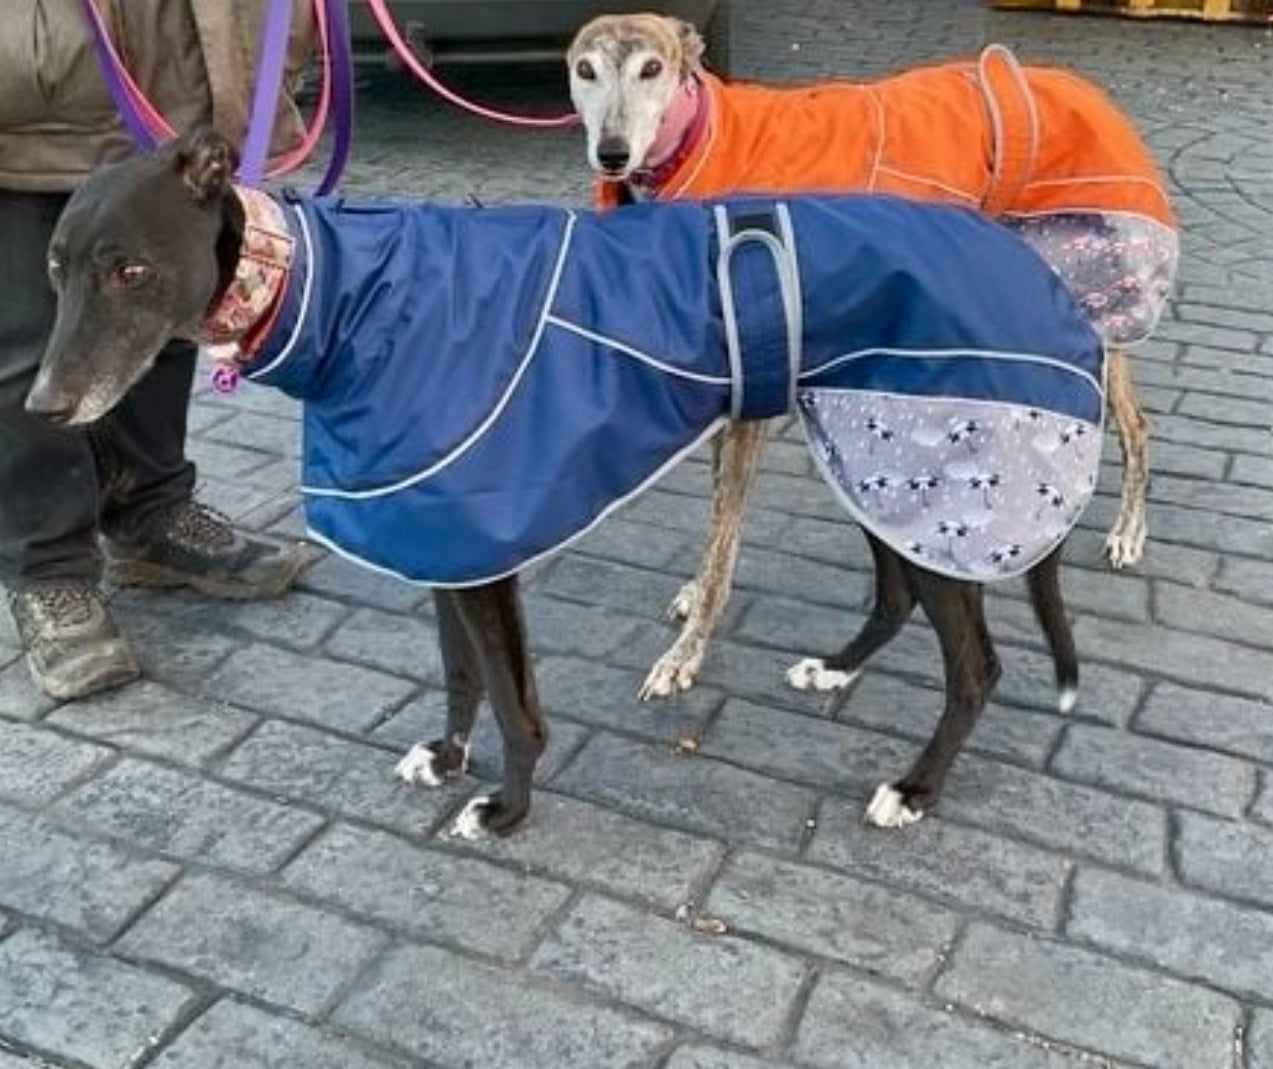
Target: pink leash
x=404 y=52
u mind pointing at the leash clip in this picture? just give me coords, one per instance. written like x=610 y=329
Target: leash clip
x=225 y=375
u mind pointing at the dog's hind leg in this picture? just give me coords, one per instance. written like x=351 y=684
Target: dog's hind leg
x=431 y=764
x=971 y=668
x=492 y=619
x=894 y=602
x=703 y=599
x=1049 y=608
x=1125 y=543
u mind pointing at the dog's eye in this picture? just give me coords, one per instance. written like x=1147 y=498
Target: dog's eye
x=652 y=69
x=130 y=274
x=585 y=70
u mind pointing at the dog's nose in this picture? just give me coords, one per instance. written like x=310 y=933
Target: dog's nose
x=613 y=154
x=49 y=406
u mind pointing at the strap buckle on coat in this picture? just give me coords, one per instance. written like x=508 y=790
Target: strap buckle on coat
x=762 y=307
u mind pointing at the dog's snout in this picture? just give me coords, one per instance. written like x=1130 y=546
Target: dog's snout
x=50 y=405
x=613 y=154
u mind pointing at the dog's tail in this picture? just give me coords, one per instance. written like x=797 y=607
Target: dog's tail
x=1049 y=608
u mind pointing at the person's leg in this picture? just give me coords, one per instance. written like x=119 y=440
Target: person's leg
x=49 y=488
x=158 y=535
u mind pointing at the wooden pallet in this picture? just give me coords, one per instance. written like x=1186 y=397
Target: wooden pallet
x=1260 y=11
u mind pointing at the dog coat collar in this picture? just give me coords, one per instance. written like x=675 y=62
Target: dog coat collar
x=243 y=317
x=678 y=134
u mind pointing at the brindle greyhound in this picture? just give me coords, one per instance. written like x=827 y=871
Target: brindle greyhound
x=166 y=246
x=659 y=126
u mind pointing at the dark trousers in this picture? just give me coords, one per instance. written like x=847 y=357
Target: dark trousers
x=60 y=486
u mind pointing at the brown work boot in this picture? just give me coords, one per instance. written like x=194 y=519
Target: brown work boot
x=197 y=547
x=72 y=645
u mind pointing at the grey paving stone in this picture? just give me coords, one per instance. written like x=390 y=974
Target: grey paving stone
x=336 y=577
x=93 y=1010
x=36 y=765
x=1227 y=858
x=884 y=701
x=90 y=886
x=1217 y=615
x=974 y=868
x=725 y=986
x=1109 y=695
x=333 y=774
x=817 y=912
x=598 y=694
x=1263 y=808
x=1260 y=1041
x=715 y=1058
x=1162 y=771
x=584 y=631
x=424 y=719
x=153 y=719
x=641 y=544
x=1194 y=937
x=20 y=698
x=588 y=845
x=232 y=1035
x=265 y=433
x=1236 y=725
x=1191 y=659
x=268 y=947
x=183 y=655
x=688 y=792
x=188 y=817
x=403 y=645
x=320 y=690
x=1079 y=997
x=852 y=1023
x=1056 y=814
x=616 y=586
x=806 y=748
x=1210 y=530
x=433 y=894
x=299 y=620
x=1162 y=560
x=1252 y=580
x=440 y=1006
x=222 y=461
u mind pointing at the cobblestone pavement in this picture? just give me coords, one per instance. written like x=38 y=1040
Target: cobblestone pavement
x=214 y=868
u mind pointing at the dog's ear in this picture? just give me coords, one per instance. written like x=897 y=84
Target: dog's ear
x=206 y=162
x=691 y=46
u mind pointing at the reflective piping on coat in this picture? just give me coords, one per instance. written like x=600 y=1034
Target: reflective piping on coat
x=492 y=417
x=604 y=514
x=636 y=354
x=935 y=354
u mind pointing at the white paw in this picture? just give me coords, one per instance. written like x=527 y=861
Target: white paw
x=683 y=604
x=673 y=673
x=1067 y=698
x=468 y=825
x=418 y=766
x=813 y=674
x=887 y=810
x=1125 y=545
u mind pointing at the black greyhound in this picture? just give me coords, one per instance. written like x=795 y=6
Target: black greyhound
x=147 y=249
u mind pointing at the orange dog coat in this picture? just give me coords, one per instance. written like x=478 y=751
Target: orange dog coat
x=1041 y=149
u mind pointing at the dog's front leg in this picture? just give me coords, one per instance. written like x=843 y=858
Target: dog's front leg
x=491 y=616
x=703 y=600
x=431 y=764
x=1126 y=541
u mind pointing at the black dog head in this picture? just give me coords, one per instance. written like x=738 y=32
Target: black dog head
x=140 y=253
